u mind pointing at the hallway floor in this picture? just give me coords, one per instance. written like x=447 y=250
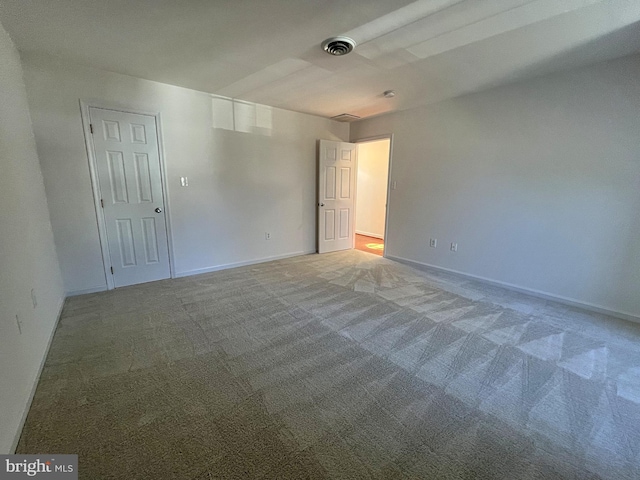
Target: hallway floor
x=369 y=244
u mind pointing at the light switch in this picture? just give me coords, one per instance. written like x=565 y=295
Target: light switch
x=184 y=181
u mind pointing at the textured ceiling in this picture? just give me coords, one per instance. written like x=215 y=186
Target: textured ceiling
x=268 y=51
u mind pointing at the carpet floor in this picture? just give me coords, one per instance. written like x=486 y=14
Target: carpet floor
x=343 y=365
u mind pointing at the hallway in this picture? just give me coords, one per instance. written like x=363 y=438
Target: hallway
x=369 y=244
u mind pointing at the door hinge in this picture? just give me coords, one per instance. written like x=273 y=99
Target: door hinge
x=91 y=128
x=111 y=270
x=102 y=203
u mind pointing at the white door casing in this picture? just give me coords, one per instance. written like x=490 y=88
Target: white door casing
x=337 y=167
x=128 y=171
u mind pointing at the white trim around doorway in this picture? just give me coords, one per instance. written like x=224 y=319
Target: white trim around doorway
x=388 y=136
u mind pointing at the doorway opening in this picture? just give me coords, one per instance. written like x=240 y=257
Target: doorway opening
x=371 y=197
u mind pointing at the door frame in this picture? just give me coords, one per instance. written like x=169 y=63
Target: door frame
x=374 y=138
x=85 y=105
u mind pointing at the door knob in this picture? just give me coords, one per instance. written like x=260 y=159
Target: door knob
x=322 y=204
x=158 y=210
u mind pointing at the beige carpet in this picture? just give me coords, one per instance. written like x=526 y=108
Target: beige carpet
x=342 y=365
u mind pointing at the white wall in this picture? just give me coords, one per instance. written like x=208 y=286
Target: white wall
x=27 y=255
x=241 y=184
x=373 y=171
x=538 y=182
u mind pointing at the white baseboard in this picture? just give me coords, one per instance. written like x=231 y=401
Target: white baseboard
x=226 y=266
x=75 y=293
x=368 y=234
x=27 y=407
x=198 y=271
x=529 y=291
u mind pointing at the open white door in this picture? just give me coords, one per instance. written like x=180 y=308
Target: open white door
x=337 y=168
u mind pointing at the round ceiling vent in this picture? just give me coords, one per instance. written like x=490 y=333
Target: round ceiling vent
x=338 y=45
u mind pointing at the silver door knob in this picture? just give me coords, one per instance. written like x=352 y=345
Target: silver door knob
x=322 y=204
x=158 y=210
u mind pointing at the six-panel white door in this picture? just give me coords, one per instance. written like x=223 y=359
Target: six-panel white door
x=337 y=168
x=128 y=168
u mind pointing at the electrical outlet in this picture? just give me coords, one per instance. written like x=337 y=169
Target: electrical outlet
x=394 y=185
x=34 y=300
x=184 y=181
x=433 y=242
x=267 y=236
x=454 y=247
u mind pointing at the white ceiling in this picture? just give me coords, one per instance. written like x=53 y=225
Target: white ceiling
x=268 y=51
